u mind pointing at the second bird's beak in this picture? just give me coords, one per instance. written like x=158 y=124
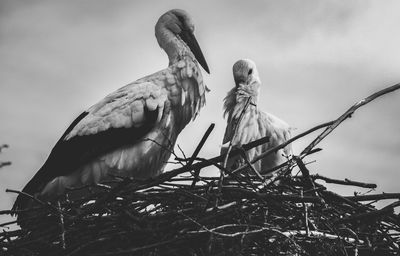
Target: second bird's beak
x=194 y=46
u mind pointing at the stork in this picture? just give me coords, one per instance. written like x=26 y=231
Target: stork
x=246 y=122
x=132 y=131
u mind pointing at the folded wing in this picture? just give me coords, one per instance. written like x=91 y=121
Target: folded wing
x=121 y=118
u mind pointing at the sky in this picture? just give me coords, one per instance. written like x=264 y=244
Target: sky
x=315 y=59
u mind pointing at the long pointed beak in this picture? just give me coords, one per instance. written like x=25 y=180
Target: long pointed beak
x=194 y=46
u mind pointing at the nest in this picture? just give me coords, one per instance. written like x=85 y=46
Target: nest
x=239 y=212
x=195 y=215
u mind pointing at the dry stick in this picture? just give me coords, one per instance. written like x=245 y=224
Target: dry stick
x=305 y=214
x=235 y=130
x=201 y=144
x=374 y=197
x=348 y=114
x=47 y=204
x=267 y=196
x=221 y=176
x=343 y=182
x=8 y=223
x=392 y=205
x=109 y=196
x=246 y=159
x=180 y=149
x=275 y=149
x=197 y=151
x=306 y=174
x=7 y=236
x=216 y=164
x=278 y=167
x=171 y=151
x=2 y=164
x=319 y=234
x=342 y=199
x=366 y=215
x=220 y=158
x=62 y=236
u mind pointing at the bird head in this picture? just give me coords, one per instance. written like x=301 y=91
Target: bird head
x=247 y=84
x=245 y=73
x=180 y=24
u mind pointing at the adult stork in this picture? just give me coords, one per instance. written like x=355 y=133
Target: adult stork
x=246 y=122
x=132 y=131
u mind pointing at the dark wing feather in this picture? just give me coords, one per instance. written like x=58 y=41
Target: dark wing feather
x=70 y=153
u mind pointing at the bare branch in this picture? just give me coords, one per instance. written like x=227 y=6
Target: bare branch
x=348 y=114
x=343 y=182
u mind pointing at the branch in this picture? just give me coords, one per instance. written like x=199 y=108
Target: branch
x=343 y=182
x=197 y=151
x=201 y=144
x=235 y=131
x=267 y=196
x=367 y=215
x=374 y=197
x=46 y=204
x=348 y=114
x=319 y=234
x=2 y=164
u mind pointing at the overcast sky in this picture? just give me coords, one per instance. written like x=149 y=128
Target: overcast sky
x=315 y=59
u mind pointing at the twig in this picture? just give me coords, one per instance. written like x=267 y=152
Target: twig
x=305 y=172
x=367 y=215
x=305 y=214
x=374 y=197
x=47 y=204
x=170 y=150
x=246 y=159
x=201 y=144
x=348 y=114
x=2 y=164
x=62 y=236
x=266 y=196
x=180 y=149
x=321 y=235
x=197 y=151
x=235 y=129
x=8 y=223
x=108 y=196
x=343 y=182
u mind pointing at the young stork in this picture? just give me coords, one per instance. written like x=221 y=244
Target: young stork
x=132 y=131
x=251 y=123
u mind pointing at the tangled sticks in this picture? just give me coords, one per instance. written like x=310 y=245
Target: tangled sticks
x=183 y=212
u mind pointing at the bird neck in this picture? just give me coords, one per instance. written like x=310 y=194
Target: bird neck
x=172 y=45
x=236 y=100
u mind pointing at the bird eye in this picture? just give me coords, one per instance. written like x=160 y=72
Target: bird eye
x=181 y=22
x=250 y=71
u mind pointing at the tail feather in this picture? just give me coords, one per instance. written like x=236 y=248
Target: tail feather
x=24 y=203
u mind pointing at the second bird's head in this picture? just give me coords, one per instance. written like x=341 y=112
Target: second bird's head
x=180 y=24
x=245 y=73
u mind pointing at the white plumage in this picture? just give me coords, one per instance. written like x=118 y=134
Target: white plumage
x=132 y=131
x=254 y=123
